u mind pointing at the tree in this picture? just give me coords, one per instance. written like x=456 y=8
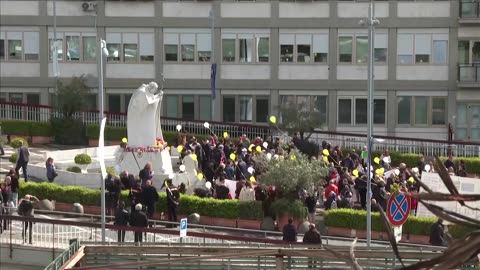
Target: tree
x=71 y=98
x=300 y=118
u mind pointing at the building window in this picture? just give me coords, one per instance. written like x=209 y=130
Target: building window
x=78 y=47
x=114 y=103
x=245 y=48
x=246 y=108
x=229 y=109
x=89 y=48
x=205 y=108
x=188 y=107
x=303 y=48
x=357 y=52
x=130 y=47
x=262 y=109
x=320 y=107
x=379 y=111
x=19 y=46
x=73 y=47
x=361 y=111
x=404 y=109
x=422 y=48
x=420 y=107
x=194 y=47
x=172 y=105
x=345 y=111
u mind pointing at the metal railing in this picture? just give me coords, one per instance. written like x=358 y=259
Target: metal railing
x=65 y=256
x=469 y=72
x=469 y=9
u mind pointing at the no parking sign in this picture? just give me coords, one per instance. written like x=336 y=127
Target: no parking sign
x=398 y=208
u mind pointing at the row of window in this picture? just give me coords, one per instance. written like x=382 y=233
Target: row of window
x=236 y=47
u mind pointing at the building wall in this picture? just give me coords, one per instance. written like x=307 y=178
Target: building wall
x=247 y=84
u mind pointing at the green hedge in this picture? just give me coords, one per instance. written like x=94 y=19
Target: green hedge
x=188 y=204
x=357 y=219
x=26 y=128
x=13 y=158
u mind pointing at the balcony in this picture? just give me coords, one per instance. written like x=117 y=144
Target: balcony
x=469 y=73
x=470 y=11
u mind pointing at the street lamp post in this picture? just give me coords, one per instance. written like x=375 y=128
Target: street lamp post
x=103 y=52
x=371 y=21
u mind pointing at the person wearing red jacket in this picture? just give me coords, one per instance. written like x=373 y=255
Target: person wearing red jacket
x=331 y=187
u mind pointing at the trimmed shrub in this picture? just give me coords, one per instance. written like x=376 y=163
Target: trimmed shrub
x=15 y=143
x=83 y=159
x=13 y=158
x=74 y=169
x=26 y=128
x=68 y=131
x=231 y=209
x=357 y=219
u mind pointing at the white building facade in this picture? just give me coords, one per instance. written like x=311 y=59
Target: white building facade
x=268 y=53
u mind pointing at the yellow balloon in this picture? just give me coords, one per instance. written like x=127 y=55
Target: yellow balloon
x=411 y=179
x=194 y=157
x=252 y=179
x=325 y=159
x=293 y=157
x=180 y=148
x=325 y=152
x=355 y=173
x=225 y=134
x=232 y=156
x=168 y=148
x=377 y=171
x=381 y=170
x=200 y=176
x=376 y=160
x=273 y=119
x=258 y=148
x=250 y=148
x=124 y=140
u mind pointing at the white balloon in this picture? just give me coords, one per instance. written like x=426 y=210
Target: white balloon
x=208 y=185
x=385 y=159
x=179 y=127
x=182 y=168
x=415 y=170
x=269 y=156
x=427 y=168
x=265 y=144
x=397 y=171
x=250 y=170
x=171 y=176
x=371 y=168
x=206 y=125
x=275 y=157
x=371 y=175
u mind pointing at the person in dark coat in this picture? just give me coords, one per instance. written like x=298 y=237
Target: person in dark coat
x=172 y=203
x=140 y=220
x=51 y=173
x=22 y=160
x=289 y=231
x=241 y=171
x=135 y=194
x=14 y=186
x=221 y=191
x=121 y=218
x=150 y=198
x=312 y=236
x=311 y=204
x=146 y=173
x=437 y=233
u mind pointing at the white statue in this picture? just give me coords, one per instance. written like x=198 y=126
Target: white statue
x=143 y=117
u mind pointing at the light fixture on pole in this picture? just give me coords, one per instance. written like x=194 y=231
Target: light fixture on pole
x=103 y=52
x=370 y=22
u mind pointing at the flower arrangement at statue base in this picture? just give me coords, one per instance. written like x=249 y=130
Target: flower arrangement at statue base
x=159 y=146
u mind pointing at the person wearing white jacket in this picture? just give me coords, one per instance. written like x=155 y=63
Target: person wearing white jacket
x=247 y=193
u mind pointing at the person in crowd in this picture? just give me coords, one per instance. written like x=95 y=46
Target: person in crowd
x=247 y=193
x=128 y=180
x=121 y=218
x=421 y=164
x=14 y=186
x=312 y=237
x=289 y=231
x=385 y=160
x=135 y=194
x=451 y=171
x=462 y=169
x=221 y=190
x=114 y=190
x=331 y=188
x=331 y=202
x=238 y=190
x=242 y=169
x=138 y=219
x=230 y=170
x=354 y=155
x=220 y=170
x=347 y=162
x=22 y=161
x=146 y=173
x=25 y=209
x=150 y=198
x=6 y=204
x=380 y=194
x=449 y=163
x=437 y=233
x=311 y=203
x=361 y=184
x=51 y=172
x=210 y=172
x=364 y=155
x=172 y=202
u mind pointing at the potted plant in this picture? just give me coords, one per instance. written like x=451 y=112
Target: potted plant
x=83 y=160
x=291 y=176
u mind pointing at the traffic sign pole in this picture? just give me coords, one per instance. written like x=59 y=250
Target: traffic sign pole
x=398 y=208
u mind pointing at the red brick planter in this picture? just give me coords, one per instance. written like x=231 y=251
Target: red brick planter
x=362 y=234
x=34 y=139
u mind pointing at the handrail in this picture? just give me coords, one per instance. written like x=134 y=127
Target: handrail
x=208 y=235
x=64 y=257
